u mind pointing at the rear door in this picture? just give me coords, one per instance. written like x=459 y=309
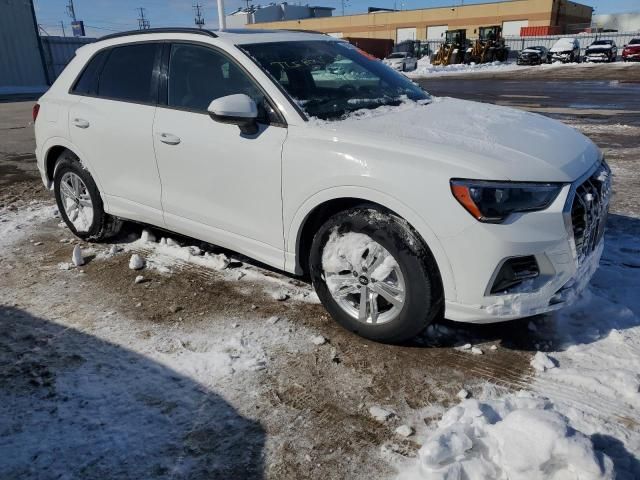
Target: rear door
x=112 y=127
x=218 y=184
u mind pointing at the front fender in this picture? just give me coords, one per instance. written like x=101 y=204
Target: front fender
x=294 y=230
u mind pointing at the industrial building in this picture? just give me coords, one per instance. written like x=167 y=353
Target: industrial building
x=275 y=13
x=22 y=65
x=547 y=17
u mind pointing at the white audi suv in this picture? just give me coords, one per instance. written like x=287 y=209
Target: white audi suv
x=400 y=207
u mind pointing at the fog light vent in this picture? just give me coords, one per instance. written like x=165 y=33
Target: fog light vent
x=513 y=272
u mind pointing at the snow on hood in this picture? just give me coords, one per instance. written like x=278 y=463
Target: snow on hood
x=532 y=50
x=562 y=45
x=499 y=142
x=600 y=47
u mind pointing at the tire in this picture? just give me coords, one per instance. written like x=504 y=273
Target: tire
x=423 y=297
x=100 y=225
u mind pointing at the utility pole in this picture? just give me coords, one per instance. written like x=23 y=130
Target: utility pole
x=64 y=34
x=71 y=11
x=222 y=20
x=143 y=23
x=199 y=19
x=344 y=3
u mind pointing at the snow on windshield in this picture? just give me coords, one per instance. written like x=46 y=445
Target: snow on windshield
x=324 y=77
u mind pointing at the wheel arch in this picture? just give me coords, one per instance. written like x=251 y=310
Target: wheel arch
x=318 y=208
x=56 y=146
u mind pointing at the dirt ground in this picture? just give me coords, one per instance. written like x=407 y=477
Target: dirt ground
x=140 y=364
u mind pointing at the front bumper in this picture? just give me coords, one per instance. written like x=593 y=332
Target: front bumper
x=566 y=241
x=631 y=56
x=529 y=61
x=561 y=57
x=596 y=57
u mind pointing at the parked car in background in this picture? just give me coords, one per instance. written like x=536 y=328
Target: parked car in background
x=602 y=51
x=631 y=51
x=402 y=61
x=227 y=137
x=566 y=50
x=533 y=56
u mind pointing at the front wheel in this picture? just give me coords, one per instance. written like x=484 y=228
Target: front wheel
x=375 y=276
x=79 y=201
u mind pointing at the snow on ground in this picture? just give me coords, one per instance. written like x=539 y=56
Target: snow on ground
x=578 y=418
x=426 y=69
x=14 y=225
x=168 y=256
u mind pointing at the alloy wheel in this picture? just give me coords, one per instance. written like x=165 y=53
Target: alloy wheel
x=371 y=287
x=76 y=201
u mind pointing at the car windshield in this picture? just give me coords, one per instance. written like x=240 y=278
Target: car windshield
x=330 y=79
x=635 y=41
x=397 y=55
x=539 y=49
x=602 y=42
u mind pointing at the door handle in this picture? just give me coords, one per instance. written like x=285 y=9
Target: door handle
x=169 y=138
x=81 y=123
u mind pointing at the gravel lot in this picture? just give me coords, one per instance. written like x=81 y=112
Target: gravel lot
x=202 y=373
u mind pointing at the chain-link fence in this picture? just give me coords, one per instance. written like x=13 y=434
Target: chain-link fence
x=516 y=44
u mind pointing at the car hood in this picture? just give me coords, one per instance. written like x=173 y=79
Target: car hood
x=562 y=46
x=489 y=141
x=395 y=60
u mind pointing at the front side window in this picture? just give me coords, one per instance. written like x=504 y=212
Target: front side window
x=128 y=73
x=330 y=79
x=198 y=75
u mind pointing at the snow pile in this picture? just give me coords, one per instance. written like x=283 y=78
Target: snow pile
x=518 y=437
x=426 y=69
x=542 y=362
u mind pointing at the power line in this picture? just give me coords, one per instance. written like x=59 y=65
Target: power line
x=199 y=19
x=143 y=23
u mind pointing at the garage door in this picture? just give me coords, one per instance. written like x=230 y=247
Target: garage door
x=436 y=32
x=403 y=34
x=512 y=29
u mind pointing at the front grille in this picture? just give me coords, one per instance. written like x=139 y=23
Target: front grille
x=589 y=211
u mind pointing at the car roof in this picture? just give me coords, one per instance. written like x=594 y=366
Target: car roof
x=235 y=36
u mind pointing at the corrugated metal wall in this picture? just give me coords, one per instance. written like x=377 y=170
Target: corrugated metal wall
x=58 y=51
x=21 y=62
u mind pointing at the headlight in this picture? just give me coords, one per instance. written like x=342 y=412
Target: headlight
x=493 y=202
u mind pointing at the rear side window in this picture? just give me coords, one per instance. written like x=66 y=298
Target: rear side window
x=87 y=84
x=128 y=74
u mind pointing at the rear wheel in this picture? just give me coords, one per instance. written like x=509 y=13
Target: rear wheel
x=79 y=201
x=375 y=276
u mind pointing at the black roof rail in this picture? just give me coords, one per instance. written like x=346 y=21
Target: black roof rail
x=194 y=30
x=302 y=31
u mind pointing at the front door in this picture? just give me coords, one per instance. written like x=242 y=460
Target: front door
x=218 y=184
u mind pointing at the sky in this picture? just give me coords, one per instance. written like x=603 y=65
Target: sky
x=107 y=16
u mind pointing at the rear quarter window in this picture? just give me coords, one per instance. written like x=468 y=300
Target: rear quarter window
x=87 y=82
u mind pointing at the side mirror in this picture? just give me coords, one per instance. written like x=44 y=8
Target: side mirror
x=238 y=109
